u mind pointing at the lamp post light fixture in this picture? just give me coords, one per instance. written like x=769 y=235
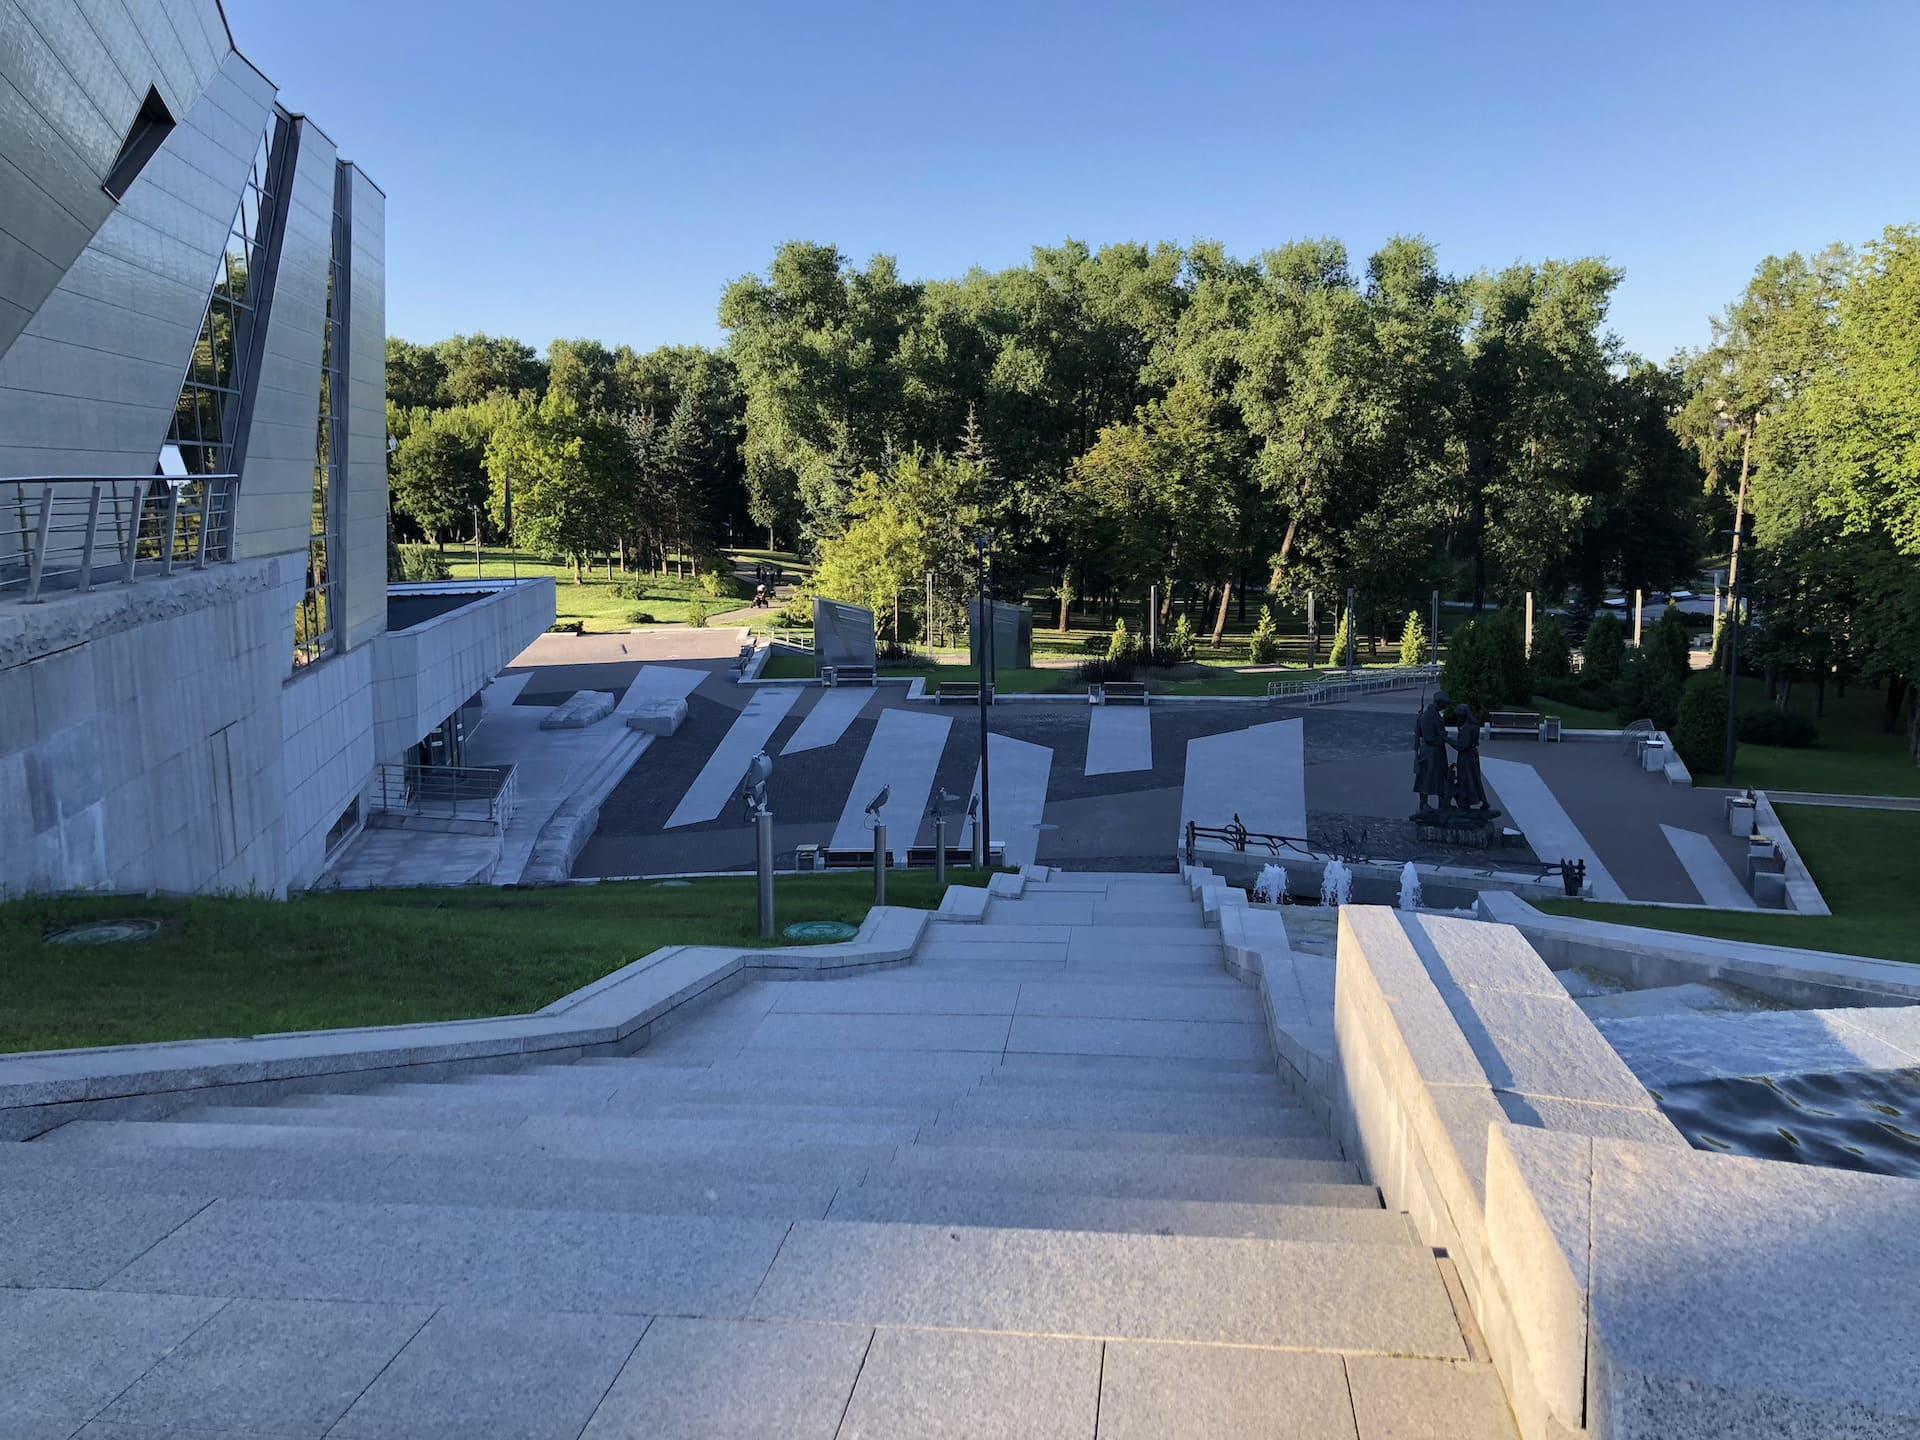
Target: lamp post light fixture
x=984 y=646
x=876 y=821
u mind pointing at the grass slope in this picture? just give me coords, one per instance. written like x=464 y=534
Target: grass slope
x=250 y=967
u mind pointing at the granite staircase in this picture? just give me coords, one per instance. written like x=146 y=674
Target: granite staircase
x=1044 y=1181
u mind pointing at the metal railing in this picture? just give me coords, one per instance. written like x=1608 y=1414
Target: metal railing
x=75 y=532
x=446 y=792
x=1332 y=689
x=1351 y=847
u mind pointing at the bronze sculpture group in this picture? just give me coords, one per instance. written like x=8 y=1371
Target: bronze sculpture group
x=1459 y=793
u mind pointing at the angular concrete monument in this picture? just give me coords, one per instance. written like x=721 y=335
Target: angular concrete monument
x=1012 y=634
x=842 y=636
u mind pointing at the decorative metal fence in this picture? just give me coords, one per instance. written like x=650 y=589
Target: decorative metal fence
x=75 y=532
x=1332 y=689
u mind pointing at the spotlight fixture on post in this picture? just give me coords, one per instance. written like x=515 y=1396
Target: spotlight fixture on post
x=876 y=822
x=983 y=647
x=753 y=794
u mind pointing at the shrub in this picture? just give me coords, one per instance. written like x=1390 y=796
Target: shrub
x=423 y=562
x=1181 y=643
x=720 y=584
x=1672 y=643
x=1572 y=692
x=1602 y=651
x=1505 y=636
x=1700 y=730
x=697 y=613
x=1551 y=658
x=567 y=627
x=1413 y=640
x=1647 y=690
x=641 y=617
x=1471 y=673
x=1263 y=647
x=1767 y=726
x=1096 y=643
x=797 y=612
x=1342 y=653
x=1121 y=647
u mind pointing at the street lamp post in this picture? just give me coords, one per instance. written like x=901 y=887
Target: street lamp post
x=1733 y=657
x=984 y=645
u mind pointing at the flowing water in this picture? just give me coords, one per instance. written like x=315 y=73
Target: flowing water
x=1857 y=1120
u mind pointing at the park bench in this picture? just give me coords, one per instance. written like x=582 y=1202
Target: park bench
x=960 y=690
x=849 y=675
x=1112 y=690
x=1520 y=722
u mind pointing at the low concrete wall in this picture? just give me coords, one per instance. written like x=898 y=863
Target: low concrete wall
x=1627 y=1285
x=1641 y=959
x=424 y=673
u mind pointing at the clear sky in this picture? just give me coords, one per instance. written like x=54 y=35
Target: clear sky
x=604 y=167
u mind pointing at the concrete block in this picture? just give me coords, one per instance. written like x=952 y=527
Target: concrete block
x=1199 y=1392
x=1401 y=1399
x=1539 y=1226
x=1544 y=1045
x=658 y=717
x=693 y=1379
x=581 y=709
x=1282 y=1294
x=469 y=1372
x=943 y=1386
x=283 y=1367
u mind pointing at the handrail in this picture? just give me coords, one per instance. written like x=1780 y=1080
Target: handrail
x=57 y=531
x=1330 y=689
x=448 y=792
x=1352 y=850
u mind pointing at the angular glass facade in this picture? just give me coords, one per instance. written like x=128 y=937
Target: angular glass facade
x=315 y=631
x=206 y=421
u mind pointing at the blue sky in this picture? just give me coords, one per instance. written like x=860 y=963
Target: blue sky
x=604 y=167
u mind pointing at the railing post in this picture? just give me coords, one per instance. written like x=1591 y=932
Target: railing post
x=173 y=525
x=93 y=530
x=136 y=509
x=206 y=524
x=37 y=556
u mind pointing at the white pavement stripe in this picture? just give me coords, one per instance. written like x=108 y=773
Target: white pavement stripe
x=719 y=780
x=660 y=682
x=1707 y=868
x=904 y=754
x=1119 y=738
x=828 y=720
x=1550 y=831
x=1021 y=773
x=1259 y=774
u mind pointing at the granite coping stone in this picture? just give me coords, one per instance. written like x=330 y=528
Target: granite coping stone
x=607 y=1012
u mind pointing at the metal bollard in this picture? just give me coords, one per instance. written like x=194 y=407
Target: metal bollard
x=880 y=864
x=979 y=845
x=763 y=824
x=940 y=851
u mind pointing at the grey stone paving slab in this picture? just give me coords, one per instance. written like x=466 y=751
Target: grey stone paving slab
x=1207 y=1038
x=1204 y=1392
x=1138 y=1002
x=371 y=1114
x=1310 y=1143
x=986 y=1033
x=1144 y=944
x=1187 y=1288
x=280 y=1367
x=947 y=1204
x=1138 y=1066
x=927 y=997
x=666 y=1189
x=524 y=1374
x=1409 y=1399
x=69 y=1238
x=943 y=952
x=66 y=1353
x=422 y=1107
x=986 y=934
x=1094 y=1172
x=201 y=1175
x=1171 y=1077
x=1095 y=1108
x=733 y=1380
x=397 y=1254
x=1041 y=910
x=943 y=1386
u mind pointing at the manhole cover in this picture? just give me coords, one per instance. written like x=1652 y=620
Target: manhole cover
x=818 y=932
x=105 y=932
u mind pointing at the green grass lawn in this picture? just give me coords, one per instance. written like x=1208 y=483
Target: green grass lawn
x=246 y=967
x=1853 y=757
x=1864 y=863
x=593 y=601
x=1575 y=717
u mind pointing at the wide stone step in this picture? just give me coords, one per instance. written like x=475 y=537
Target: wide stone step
x=1347 y=1219
x=595 y=1132
x=1111 y=1173
x=643 y=1094
x=1171 y=1078
x=1091 y=1110
x=511 y=1148
x=1301 y=1145
x=1378 y=1299
x=510 y=1109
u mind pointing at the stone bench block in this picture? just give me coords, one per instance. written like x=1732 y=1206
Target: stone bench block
x=658 y=717
x=579 y=710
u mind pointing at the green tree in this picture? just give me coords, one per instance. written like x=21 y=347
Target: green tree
x=1413 y=640
x=1602 y=651
x=1263 y=646
x=479 y=366
x=1342 y=653
x=1700 y=727
x=1120 y=648
x=439 y=474
x=1471 y=675
x=416 y=376
x=567 y=472
x=1551 y=658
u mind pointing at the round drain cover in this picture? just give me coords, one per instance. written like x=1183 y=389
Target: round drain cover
x=105 y=932
x=819 y=932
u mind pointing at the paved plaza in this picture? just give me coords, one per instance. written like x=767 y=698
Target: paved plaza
x=1103 y=786
x=1043 y=1182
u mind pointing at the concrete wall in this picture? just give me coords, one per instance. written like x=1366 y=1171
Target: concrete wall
x=424 y=673
x=88 y=385
x=73 y=75
x=140 y=735
x=327 y=729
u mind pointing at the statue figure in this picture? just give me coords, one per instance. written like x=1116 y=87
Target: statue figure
x=1469 y=792
x=1430 y=753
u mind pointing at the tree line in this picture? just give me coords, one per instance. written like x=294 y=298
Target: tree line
x=1226 y=428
